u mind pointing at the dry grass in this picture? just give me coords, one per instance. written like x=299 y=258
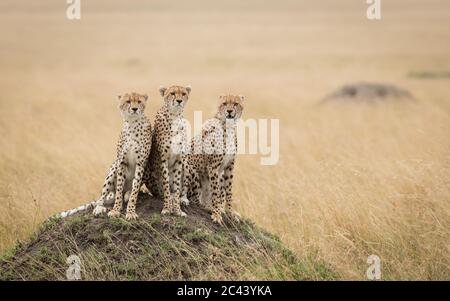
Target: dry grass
x=353 y=179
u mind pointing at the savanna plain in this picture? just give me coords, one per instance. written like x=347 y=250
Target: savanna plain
x=353 y=178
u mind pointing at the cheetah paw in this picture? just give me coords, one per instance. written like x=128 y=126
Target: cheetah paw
x=217 y=219
x=98 y=210
x=131 y=216
x=181 y=213
x=165 y=211
x=113 y=213
x=184 y=201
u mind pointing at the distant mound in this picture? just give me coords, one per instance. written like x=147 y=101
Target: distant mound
x=369 y=92
x=156 y=247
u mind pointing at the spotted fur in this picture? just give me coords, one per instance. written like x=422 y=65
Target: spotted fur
x=125 y=173
x=164 y=169
x=208 y=167
x=133 y=149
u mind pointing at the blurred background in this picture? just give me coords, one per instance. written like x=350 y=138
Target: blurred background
x=354 y=177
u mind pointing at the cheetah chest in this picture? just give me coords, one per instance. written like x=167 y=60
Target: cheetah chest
x=227 y=159
x=173 y=159
x=131 y=151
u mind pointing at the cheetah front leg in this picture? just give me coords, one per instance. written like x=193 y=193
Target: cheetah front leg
x=108 y=188
x=191 y=187
x=213 y=174
x=131 y=207
x=228 y=187
x=185 y=184
x=196 y=192
x=115 y=212
x=167 y=207
x=177 y=170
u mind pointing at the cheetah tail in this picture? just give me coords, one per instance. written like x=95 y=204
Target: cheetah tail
x=78 y=209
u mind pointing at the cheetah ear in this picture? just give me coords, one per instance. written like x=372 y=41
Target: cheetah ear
x=188 y=88
x=145 y=97
x=242 y=98
x=162 y=90
x=119 y=97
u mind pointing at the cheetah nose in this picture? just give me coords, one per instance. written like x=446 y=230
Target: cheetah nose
x=229 y=111
x=134 y=109
x=179 y=100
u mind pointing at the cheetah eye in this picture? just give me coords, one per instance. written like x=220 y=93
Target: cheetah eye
x=224 y=103
x=128 y=101
x=139 y=102
x=172 y=93
x=184 y=94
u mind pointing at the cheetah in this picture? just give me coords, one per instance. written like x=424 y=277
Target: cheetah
x=133 y=149
x=164 y=168
x=208 y=167
x=126 y=171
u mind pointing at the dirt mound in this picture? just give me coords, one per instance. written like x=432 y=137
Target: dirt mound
x=369 y=92
x=156 y=247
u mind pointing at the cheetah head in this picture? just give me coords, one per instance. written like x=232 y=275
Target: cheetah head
x=175 y=97
x=231 y=107
x=132 y=105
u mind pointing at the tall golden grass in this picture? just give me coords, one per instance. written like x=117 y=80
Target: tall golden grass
x=353 y=179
